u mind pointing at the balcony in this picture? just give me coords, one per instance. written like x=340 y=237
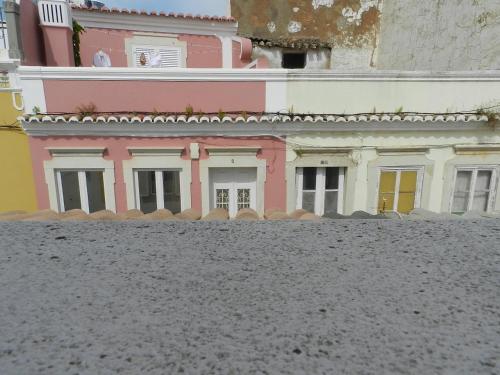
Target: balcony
x=4 y=42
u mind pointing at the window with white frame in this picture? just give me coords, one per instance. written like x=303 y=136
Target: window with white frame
x=320 y=190
x=474 y=189
x=81 y=189
x=157 y=56
x=399 y=189
x=156 y=189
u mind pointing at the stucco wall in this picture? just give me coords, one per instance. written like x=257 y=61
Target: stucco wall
x=17 y=189
x=144 y=96
x=202 y=51
x=31 y=34
x=439 y=35
x=272 y=150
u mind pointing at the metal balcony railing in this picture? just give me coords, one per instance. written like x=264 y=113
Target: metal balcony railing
x=3 y=30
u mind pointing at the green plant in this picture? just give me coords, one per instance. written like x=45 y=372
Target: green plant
x=492 y=115
x=36 y=110
x=189 y=111
x=399 y=110
x=85 y=110
x=221 y=114
x=77 y=30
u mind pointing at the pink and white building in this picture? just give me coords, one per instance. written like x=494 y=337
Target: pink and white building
x=170 y=110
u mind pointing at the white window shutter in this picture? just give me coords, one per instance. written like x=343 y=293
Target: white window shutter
x=170 y=56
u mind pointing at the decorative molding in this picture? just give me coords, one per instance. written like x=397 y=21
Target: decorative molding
x=402 y=150
x=323 y=150
x=141 y=22
x=475 y=149
x=158 y=129
x=221 y=74
x=158 y=151
x=78 y=151
x=239 y=150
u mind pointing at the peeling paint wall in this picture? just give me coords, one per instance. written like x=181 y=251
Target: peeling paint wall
x=440 y=35
x=341 y=23
x=436 y=35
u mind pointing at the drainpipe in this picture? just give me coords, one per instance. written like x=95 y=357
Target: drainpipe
x=13 y=21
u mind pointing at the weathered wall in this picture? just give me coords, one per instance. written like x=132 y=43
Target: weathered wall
x=340 y=23
x=439 y=35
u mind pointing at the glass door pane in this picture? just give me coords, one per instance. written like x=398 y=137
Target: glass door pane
x=172 y=191
x=407 y=191
x=309 y=189
x=387 y=190
x=482 y=191
x=147 y=191
x=243 y=198
x=461 y=193
x=222 y=198
x=70 y=190
x=95 y=191
x=331 y=201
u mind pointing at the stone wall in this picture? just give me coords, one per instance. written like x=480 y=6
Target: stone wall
x=439 y=35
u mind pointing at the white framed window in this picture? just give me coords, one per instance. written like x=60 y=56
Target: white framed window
x=399 y=189
x=474 y=189
x=157 y=56
x=80 y=178
x=157 y=189
x=81 y=189
x=320 y=189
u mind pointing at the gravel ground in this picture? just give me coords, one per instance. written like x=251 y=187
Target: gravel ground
x=340 y=296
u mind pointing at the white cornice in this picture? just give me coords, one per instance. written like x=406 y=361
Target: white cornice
x=78 y=151
x=238 y=150
x=269 y=75
x=156 y=151
x=106 y=129
x=139 y=22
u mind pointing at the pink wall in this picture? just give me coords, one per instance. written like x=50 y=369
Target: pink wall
x=58 y=43
x=242 y=53
x=31 y=34
x=146 y=96
x=202 y=51
x=273 y=151
x=110 y=41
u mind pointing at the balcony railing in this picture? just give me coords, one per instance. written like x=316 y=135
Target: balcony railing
x=3 y=31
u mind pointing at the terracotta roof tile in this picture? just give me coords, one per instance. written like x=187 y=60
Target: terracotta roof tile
x=155 y=13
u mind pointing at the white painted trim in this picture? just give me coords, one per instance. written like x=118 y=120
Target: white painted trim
x=227 y=51
x=33 y=94
x=232 y=161
x=472 y=187
x=116 y=129
x=474 y=149
x=320 y=190
x=232 y=150
x=269 y=75
x=163 y=151
x=72 y=151
x=157 y=162
x=81 y=163
x=161 y=24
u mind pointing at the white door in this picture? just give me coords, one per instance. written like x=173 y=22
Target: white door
x=233 y=189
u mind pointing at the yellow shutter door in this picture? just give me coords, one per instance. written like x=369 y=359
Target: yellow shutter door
x=407 y=191
x=387 y=189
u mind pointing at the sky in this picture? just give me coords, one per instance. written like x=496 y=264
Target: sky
x=208 y=7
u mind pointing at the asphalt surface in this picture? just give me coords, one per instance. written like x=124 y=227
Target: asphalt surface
x=334 y=297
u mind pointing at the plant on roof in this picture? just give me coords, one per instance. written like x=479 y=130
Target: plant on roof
x=492 y=113
x=77 y=30
x=85 y=110
x=221 y=114
x=189 y=111
x=36 y=110
x=399 y=110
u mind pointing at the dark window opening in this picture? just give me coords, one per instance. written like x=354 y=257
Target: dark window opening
x=294 y=60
